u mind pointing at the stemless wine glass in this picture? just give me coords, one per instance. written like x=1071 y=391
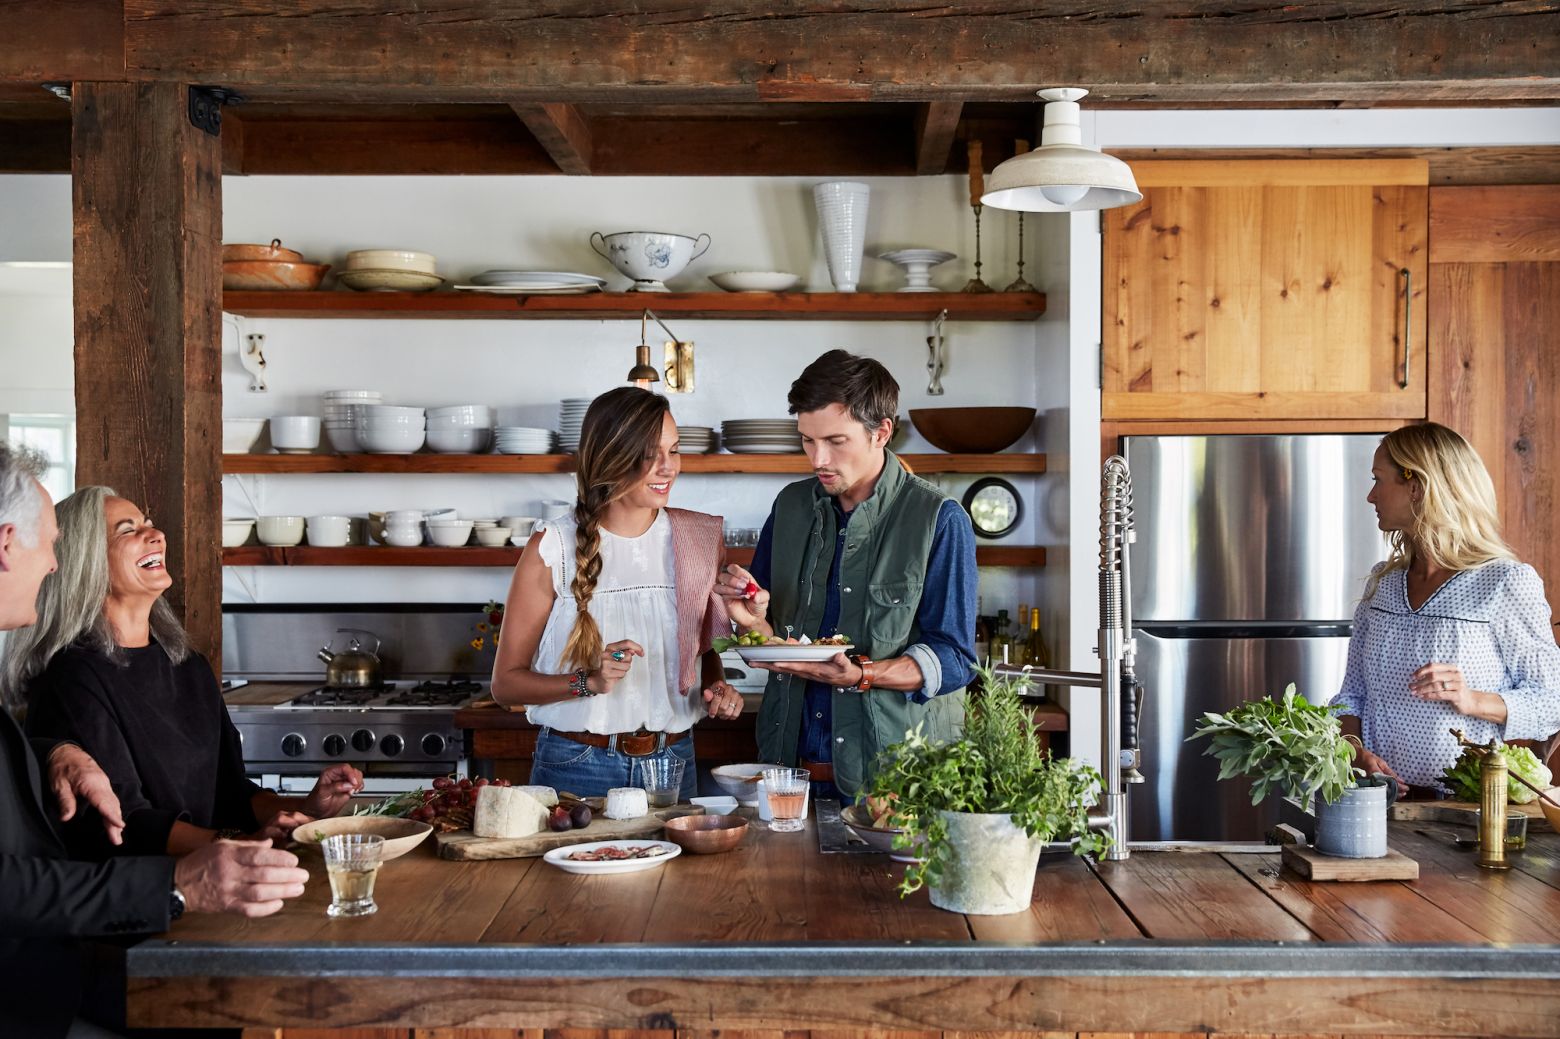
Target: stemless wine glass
x=662 y=780
x=787 y=790
x=352 y=862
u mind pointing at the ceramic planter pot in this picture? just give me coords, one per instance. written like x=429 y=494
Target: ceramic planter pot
x=991 y=871
x=1355 y=826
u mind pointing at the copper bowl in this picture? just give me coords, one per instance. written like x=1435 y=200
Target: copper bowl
x=270 y=275
x=272 y=252
x=706 y=834
x=975 y=431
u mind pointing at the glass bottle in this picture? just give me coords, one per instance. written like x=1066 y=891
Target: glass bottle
x=982 y=634
x=1038 y=653
x=1001 y=641
x=1020 y=652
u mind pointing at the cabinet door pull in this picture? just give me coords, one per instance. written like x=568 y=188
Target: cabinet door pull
x=1408 y=303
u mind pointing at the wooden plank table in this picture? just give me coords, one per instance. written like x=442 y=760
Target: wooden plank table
x=777 y=937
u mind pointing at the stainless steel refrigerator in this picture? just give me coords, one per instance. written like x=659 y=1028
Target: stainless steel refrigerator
x=1251 y=554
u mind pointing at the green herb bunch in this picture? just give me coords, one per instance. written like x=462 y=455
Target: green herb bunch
x=1287 y=745
x=1462 y=776
x=996 y=767
x=395 y=805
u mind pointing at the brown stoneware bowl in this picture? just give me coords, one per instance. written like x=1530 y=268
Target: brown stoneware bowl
x=269 y=275
x=272 y=252
x=972 y=431
x=706 y=834
x=401 y=835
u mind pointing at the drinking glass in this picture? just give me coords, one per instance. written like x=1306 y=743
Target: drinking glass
x=787 y=790
x=662 y=779
x=352 y=862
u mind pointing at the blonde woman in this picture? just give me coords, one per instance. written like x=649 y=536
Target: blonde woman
x=610 y=613
x=1453 y=631
x=108 y=667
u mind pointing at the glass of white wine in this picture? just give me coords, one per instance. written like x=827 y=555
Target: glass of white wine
x=352 y=862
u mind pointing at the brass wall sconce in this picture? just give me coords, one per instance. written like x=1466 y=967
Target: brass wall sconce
x=678 y=359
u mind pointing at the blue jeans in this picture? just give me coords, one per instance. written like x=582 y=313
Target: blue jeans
x=591 y=771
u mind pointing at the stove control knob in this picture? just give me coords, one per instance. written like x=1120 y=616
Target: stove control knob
x=392 y=745
x=335 y=745
x=433 y=744
x=293 y=744
x=363 y=740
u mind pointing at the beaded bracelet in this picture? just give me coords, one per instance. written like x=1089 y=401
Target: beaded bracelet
x=579 y=683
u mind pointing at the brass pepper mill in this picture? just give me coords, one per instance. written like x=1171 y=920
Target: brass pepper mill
x=1493 y=790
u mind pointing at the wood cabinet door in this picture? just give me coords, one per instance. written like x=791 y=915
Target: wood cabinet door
x=1267 y=290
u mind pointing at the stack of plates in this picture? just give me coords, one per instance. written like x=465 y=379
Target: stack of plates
x=571 y=416
x=523 y=440
x=761 y=436
x=696 y=440
x=534 y=283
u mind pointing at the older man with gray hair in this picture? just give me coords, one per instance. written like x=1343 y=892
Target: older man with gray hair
x=47 y=902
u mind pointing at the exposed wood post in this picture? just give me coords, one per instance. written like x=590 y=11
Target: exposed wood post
x=935 y=125
x=563 y=131
x=147 y=201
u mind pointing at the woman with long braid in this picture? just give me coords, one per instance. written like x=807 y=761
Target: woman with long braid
x=610 y=614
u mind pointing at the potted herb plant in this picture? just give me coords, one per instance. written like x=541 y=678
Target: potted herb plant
x=1298 y=749
x=981 y=807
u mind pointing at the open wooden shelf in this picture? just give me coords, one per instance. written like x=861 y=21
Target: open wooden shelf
x=713 y=463
x=379 y=555
x=763 y=306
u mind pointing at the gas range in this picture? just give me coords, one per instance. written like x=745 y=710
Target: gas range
x=447 y=695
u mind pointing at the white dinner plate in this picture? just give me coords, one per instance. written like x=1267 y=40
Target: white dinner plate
x=528 y=290
x=560 y=857
x=789 y=654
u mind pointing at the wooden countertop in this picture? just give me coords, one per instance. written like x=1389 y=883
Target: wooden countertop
x=1049 y=717
x=777 y=935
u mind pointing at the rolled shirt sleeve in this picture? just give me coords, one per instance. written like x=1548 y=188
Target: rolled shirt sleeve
x=946 y=614
x=1531 y=658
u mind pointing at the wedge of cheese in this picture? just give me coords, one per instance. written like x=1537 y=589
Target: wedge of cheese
x=510 y=811
x=627 y=802
x=545 y=794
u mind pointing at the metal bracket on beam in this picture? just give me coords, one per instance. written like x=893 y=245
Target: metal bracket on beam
x=252 y=357
x=59 y=90
x=206 y=107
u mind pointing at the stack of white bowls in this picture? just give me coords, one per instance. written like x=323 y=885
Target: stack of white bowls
x=384 y=429
x=759 y=436
x=571 y=416
x=341 y=417
x=449 y=533
x=403 y=528
x=460 y=428
x=525 y=440
x=695 y=440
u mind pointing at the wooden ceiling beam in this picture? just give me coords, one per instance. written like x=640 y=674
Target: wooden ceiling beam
x=935 y=125
x=562 y=131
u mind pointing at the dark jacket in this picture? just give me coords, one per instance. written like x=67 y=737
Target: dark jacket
x=48 y=902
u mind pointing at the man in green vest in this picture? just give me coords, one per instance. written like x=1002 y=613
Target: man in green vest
x=865 y=550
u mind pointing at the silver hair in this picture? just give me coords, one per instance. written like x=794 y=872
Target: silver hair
x=20 y=503
x=71 y=601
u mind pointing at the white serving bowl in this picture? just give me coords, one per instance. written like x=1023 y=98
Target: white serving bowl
x=390 y=441
x=466 y=441
x=236 y=531
x=715 y=805
x=733 y=779
x=391 y=260
x=366 y=280
x=403 y=536
x=280 y=531
x=649 y=257
x=390 y=411
x=472 y=414
x=449 y=533
x=239 y=435
x=756 y=281
x=519 y=526
x=492 y=537
x=329 y=531
x=295 y=432
x=342 y=438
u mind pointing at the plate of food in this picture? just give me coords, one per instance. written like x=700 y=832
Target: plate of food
x=754 y=647
x=621 y=856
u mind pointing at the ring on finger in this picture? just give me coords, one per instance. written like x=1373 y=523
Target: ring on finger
x=617 y=654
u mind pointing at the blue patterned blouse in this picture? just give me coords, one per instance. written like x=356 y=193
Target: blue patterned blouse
x=1493 y=623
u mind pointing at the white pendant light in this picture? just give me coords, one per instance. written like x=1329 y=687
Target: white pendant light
x=1062 y=175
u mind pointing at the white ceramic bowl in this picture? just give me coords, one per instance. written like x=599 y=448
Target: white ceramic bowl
x=432 y=515
x=520 y=526
x=493 y=537
x=280 y=531
x=391 y=260
x=449 y=533
x=733 y=779
x=390 y=441
x=236 y=531
x=239 y=435
x=342 y=439
x=756 y=281
x=649 y=257
x=295 y=432
x=389 y=281
x=555 y=508
x=329 y=531
x=398 y=516
x=391 y=411
x=470 y=414
x=466 y=441
x=715 y=805
x=403 y=537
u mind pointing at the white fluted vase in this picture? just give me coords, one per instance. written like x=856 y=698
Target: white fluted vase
x=842 y=216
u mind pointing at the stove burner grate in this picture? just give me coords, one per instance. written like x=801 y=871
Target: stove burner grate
x=436 y=694
x=327 y=696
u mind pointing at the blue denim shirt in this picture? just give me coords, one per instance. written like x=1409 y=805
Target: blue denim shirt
x=946 y=616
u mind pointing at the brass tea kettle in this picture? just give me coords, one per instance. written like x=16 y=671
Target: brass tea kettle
x=353 y=667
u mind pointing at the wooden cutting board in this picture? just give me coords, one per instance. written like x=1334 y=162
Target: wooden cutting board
x=1462 y=812
x=467 y=846
x=1313 y=865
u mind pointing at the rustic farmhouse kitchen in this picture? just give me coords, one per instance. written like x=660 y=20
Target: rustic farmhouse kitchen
x=662 y=522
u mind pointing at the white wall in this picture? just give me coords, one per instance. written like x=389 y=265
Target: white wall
x=37 y=373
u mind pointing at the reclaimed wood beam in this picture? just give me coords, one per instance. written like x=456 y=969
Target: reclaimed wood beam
x=147 y=202
x=935 y=125
x=46 y=43
x=807 y=50
x=562 y=131
x=364 y=146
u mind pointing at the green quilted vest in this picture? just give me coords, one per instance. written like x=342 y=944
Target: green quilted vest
x=882 y=571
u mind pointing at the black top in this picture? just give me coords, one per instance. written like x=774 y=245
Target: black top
x=161 y=732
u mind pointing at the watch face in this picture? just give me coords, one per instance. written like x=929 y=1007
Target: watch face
x=994 y=506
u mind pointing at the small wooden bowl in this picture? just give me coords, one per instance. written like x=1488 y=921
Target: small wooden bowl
x=706 y=834
x=401 y=835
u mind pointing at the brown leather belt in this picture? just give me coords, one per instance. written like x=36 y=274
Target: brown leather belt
x=635 y=744
x=820 y=771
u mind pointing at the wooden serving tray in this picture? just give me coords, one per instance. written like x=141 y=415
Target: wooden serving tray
x=1462 y=812
x=1313 y=865
x=467 y=846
